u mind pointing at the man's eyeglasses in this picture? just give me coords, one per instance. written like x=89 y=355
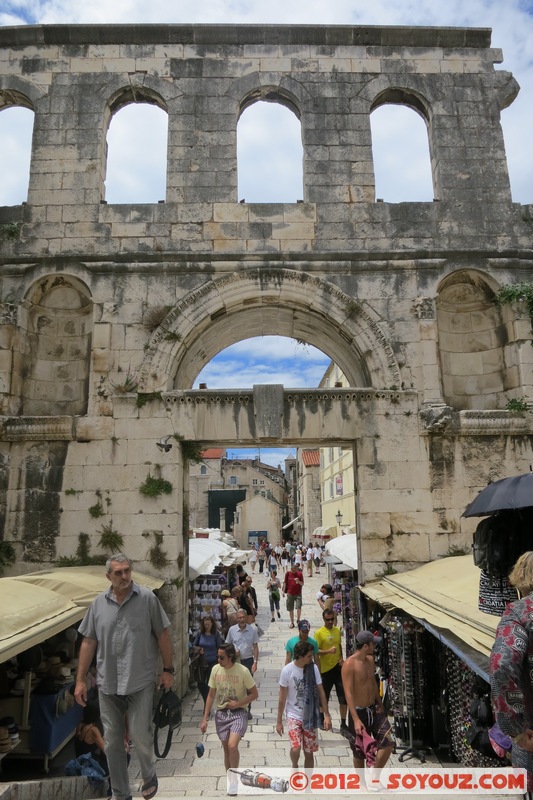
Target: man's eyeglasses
x=221 y=658
x=118 y=572
x=329 y=619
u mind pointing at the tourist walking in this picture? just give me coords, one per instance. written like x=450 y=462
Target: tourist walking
x=253 y=557
x=293 y=580
x=363 y=700
x=328 y=638
x=274 y=594
x=302 y=698
x=245 y=638
x=285 y=558
x=261 y=556
x=121 y=623
x=234 y=688
x=304 y=626
x=205 y=645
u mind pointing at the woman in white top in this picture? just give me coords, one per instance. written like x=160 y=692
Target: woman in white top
x=253 y=559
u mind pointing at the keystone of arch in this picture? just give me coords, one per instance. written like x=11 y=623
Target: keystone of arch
x=348 y=323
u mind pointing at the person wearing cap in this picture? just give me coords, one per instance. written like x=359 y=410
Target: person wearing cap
x=364 y=703
x=328 y=638
x=304 y=626
x=121 y=623
x=299 y=683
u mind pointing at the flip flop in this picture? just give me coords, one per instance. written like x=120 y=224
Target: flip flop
x=150 y=788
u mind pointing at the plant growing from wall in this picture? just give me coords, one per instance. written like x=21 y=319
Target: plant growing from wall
x=153 y=317
x=83 y=555
x=7 y=555
x=97 y=510
x=191 y=451
x=518 y=405
x=128 y=385
x=456 y=550
x=155 y=486
x=157 y=557
x=518 y=293
x=110 y=539
x=146 y=397
x=10 y=232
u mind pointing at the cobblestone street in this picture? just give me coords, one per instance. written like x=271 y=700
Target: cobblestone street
x=183 y=773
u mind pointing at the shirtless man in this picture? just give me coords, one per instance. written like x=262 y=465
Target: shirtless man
x=363 y=700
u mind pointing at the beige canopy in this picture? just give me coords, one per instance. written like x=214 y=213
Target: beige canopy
x=40 y=604
x=443 y=593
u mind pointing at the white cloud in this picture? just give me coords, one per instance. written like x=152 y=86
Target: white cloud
x=268 y=359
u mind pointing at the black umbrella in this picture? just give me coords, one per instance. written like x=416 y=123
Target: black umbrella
x=507 y=494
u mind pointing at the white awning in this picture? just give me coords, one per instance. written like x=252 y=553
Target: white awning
x=288 y=525
x=345 y=548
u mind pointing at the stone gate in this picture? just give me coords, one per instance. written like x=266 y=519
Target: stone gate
x=109 y=312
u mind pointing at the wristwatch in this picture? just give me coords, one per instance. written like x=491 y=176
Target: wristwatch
x=170 y=670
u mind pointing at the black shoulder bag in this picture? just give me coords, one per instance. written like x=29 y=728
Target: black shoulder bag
x=167 y=715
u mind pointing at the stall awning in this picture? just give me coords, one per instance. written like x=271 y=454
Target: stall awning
x=345 y=549
x=40 y=604
x=206 y=554
x=288 y=525
x=324 y=532
x=443 y=594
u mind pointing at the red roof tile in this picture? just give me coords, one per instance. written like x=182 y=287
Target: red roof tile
x=311 y=458
x=213 y=452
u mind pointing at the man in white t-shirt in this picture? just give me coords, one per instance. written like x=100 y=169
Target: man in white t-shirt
x=293 y=693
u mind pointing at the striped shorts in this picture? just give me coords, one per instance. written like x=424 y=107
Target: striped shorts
x=231 y=721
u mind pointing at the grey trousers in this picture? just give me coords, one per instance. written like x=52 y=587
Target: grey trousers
x=137 y=708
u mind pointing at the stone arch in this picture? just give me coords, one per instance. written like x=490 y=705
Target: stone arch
x=57 y=348
x=472 y=341
x=268 y=301
x=15 y=91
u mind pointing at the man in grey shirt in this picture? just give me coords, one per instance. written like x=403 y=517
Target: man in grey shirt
x=245 y=639
x=127 y=628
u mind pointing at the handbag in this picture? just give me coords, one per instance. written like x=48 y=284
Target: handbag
x=275 y=594
x=168 y=713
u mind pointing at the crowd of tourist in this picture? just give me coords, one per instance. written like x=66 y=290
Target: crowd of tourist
x=314 y=665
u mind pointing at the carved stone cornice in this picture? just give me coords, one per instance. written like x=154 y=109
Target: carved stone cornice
x=36 y=429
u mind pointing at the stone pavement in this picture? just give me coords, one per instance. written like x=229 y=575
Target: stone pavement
x=183 y=773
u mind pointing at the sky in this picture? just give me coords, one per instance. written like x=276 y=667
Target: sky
x=277 y=172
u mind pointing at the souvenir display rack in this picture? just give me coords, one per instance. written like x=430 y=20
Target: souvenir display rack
x=407 y=681
x=346 y=596
x=205 y=598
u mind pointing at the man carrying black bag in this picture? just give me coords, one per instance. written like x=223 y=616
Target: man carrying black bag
x=127 y=629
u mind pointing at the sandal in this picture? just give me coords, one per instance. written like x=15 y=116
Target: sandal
x=149 y=789
x=292 y=625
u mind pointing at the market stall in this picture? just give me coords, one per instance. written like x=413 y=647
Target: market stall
x=435 y=653
x=38 y=633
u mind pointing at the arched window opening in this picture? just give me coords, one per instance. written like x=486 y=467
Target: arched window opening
x=137 y=154
x=269 y=154
x=400 y=149
x=16 y=131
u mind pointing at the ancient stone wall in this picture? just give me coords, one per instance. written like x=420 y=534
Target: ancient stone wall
x=109 y=312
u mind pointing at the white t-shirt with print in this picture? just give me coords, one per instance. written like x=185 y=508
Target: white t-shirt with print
x=292 y=677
